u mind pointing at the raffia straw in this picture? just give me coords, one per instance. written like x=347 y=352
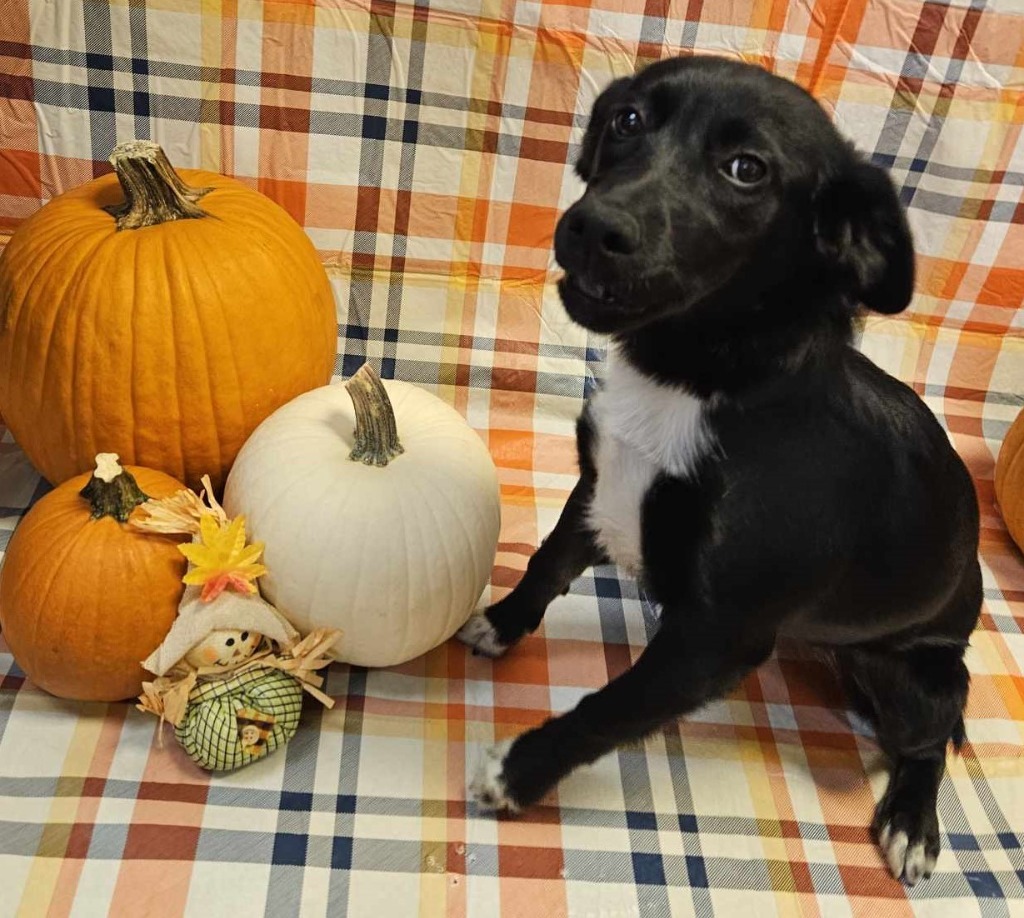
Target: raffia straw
x=311 y=653
x=180 y=513
x=167 y=696
x=215 y=507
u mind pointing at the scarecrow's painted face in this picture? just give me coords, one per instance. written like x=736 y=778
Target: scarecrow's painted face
x=223 y=648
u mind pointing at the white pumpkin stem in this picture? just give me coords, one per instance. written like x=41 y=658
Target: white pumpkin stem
x=153 y=192
x=376 y=433
x=112 y=491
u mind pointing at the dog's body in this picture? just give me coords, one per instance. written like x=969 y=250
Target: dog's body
x=756 y=472
x=788 y=493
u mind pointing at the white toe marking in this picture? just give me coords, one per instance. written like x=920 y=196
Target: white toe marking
x=916 y=862
x=896 y=852
x=479 y=634
x=883 y=836
x=489 y=788
x=929 y=865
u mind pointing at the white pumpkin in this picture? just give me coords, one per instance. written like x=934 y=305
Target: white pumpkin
x=393 y=544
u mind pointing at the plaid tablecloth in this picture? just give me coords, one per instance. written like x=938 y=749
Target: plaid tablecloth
x=424 y=147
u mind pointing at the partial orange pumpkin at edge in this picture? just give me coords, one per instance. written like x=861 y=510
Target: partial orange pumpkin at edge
x=1009 y=480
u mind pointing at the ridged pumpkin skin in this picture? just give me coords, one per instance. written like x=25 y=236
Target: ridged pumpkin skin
x=82 y=601
x=1010 y=480
x=167 y=344
x=394 y=557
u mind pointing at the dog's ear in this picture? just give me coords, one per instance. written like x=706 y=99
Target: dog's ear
x=862 y=231
x=599 y=114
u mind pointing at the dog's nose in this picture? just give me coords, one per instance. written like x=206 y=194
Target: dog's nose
x=604 y=229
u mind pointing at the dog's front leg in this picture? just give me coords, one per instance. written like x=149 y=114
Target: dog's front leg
x=686 y=664
x=565 y=554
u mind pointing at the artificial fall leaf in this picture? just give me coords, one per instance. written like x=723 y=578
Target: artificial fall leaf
x=220 y=558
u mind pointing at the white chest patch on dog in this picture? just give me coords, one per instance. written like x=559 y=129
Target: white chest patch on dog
x=644 y=429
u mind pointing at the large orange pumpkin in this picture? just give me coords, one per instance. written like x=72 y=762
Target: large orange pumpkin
x=165 y=329
x=83 y=597
x=1010 y=480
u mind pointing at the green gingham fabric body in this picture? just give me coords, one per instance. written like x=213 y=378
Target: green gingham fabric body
x=209 y=730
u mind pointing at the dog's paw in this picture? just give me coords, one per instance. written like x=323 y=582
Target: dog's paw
x=489 y=788
x=480 y=635
x=910 y=854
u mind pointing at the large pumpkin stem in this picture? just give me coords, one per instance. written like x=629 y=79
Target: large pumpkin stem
x=153 y=192
x=376 y=434
x=112 y=491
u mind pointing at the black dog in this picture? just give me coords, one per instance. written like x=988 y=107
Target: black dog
x=760 y=475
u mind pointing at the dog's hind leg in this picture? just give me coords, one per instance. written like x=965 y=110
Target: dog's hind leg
x=917 y=698
x=568 y=551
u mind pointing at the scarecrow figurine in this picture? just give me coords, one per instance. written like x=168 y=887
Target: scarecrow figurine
x=232 y=670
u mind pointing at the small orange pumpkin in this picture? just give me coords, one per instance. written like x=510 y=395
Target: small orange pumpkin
x=1010 y=480
x=157 y=319
x=83 y=597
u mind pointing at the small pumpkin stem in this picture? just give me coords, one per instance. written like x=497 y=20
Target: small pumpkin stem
x=376 y=434
x=112 y=491
x=153 y=192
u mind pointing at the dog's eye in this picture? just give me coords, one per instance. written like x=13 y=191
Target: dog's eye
x=745 y=169
x=628 y=123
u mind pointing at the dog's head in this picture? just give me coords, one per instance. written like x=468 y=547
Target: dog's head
x=713 y=182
